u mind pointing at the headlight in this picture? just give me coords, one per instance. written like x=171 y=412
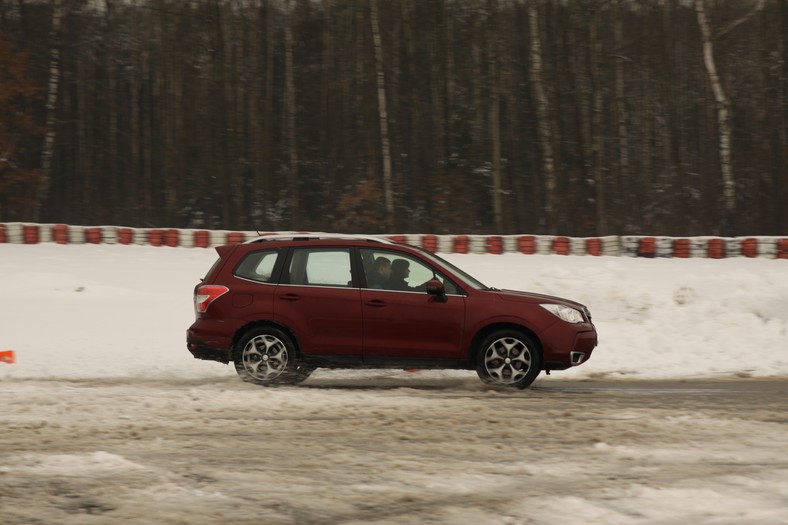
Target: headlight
x=570 y=315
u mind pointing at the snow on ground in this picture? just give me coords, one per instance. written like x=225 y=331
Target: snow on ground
x=103 y=310
x=108 y=419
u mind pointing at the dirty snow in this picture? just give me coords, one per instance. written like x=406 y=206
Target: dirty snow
x=108 y=419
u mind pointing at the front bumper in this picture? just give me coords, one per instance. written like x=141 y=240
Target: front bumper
x=564 y=349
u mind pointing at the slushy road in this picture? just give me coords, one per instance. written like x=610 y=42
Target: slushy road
x=393 y=448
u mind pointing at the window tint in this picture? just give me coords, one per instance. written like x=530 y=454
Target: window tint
x=320 y=267
x=258 y=266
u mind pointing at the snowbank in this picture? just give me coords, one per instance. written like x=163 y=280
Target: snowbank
x=109 y=310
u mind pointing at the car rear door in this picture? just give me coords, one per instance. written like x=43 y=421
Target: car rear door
x=317 y=299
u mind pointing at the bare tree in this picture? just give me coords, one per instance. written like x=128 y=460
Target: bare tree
x=495 y=50
x=264 y=181
x=290 y=115
x=621 y=109
x=722 y=102
x=380 y=78
x=544 y=126
x=53 y=88
x=597 y=146
x=636 y=116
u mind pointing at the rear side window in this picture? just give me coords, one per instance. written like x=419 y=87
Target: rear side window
x=320 y=267
x=258 y=266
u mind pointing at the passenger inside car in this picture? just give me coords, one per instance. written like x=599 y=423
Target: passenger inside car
x=400 y=270
x=381 y=271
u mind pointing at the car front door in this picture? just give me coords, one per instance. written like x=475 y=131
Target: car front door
x=317 y=300
x=402 y=321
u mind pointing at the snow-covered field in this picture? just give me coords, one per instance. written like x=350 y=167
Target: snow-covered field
x=108 y=419
x=105 y=311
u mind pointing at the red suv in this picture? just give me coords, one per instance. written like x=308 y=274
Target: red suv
x=281 y=306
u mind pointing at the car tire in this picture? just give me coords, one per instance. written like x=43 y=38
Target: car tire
x=508 y=358
x=267 y=356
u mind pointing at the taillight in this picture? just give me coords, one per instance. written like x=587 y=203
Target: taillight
x=205 y=295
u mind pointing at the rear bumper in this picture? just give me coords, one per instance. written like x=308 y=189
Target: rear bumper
x=200 y=351
x=204 y=341
x=209 y=354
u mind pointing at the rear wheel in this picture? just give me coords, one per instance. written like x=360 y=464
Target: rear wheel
x=267 y=356
x=508 y=358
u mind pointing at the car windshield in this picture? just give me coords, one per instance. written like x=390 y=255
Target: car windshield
x=466 y=277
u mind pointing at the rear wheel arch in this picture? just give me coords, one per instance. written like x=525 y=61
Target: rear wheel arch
x=245 y=329
x=266 y=354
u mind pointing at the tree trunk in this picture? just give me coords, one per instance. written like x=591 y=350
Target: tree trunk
x=722 y=104
x=290 y=117
x=545 y=132
x=670 y=130
x=388 y=194
x=264 y=183
x=495 y=117
x=448 y=15
x=596 y=135
x=782 y=133
x=53 y=87
x=327 y=59
x=477 y=137
x=621 y=112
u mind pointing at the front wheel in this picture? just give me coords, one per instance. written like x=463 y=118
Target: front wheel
x=508 y=358
x=267 y=356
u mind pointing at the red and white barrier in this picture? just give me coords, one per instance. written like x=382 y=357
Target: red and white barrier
x=613 y=245
x=705 y=247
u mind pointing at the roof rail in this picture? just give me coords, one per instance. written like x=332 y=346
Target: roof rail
x=315 y=236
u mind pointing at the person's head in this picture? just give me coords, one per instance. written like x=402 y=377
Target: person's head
x=383 y=266
x=400 y=268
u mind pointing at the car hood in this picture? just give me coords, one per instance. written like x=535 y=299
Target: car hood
x=530 y=297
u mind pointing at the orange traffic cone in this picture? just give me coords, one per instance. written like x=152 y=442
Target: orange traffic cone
x=8 y=357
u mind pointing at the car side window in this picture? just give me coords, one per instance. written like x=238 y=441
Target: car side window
x=390 y=270
x=258 y=266
x=320 y=267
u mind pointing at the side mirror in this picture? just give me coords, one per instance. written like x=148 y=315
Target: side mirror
x=436 y=288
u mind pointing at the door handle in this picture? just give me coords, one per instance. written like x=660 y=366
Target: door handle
x=377 y=303
x=290 y=297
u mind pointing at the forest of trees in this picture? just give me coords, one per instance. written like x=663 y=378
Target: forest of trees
x=572 y=117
